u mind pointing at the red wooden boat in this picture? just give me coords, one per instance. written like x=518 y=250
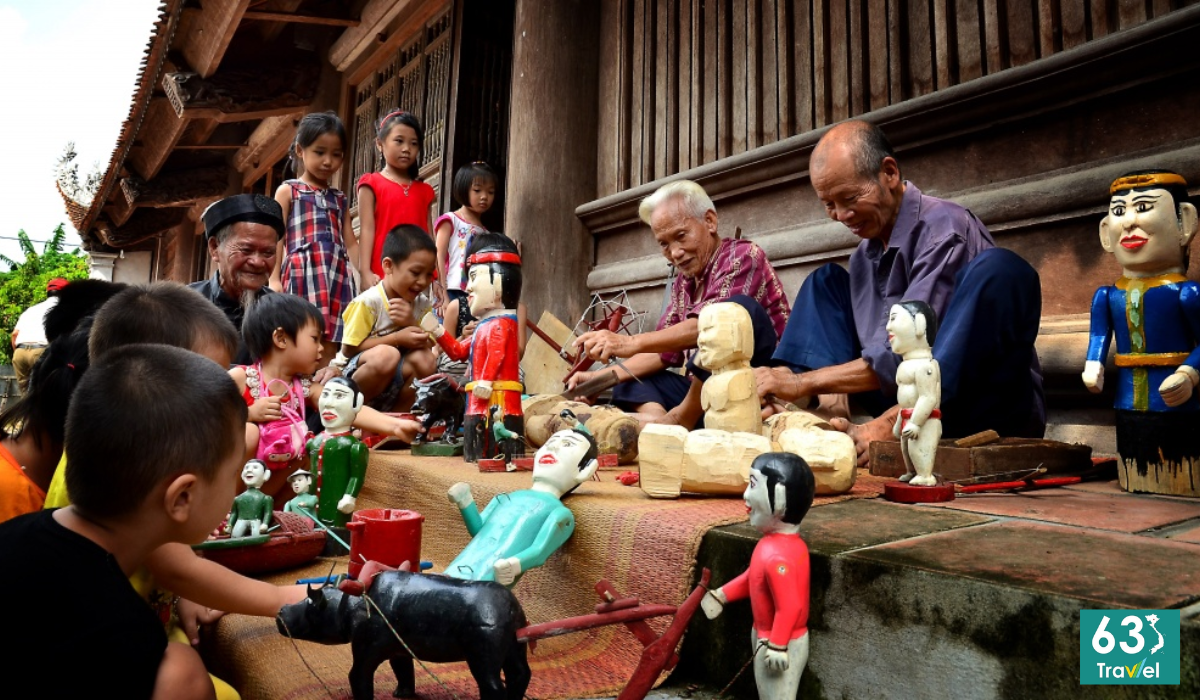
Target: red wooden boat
x=296 y=542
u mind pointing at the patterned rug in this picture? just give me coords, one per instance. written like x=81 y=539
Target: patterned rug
x=645 y=547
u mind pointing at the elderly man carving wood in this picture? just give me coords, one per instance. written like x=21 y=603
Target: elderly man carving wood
x=711 y=269
x=914 y=247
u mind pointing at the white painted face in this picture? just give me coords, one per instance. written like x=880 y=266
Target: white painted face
x=1143 y=232
x=338 y=408
x=902 y=330
x=301 y=483
x=558 y=461
x=758 y=503
x=483 y=290
x=254 y=474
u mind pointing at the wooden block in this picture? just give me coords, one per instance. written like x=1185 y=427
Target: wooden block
x=718 y=463
x=1007 y=455
x=793 y=420
x=660 y=462
x=830 y=454
x=984 y=438
x=544 y=369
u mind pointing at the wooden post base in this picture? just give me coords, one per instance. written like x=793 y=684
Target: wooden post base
x=900 y=492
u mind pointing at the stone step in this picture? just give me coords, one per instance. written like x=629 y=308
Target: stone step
x=976 y=599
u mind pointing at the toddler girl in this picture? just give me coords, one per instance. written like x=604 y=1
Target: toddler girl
x=283 y=334
x=475 y=190
x=316 y=254
x=394 y=195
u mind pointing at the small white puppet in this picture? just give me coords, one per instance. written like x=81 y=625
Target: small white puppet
x=911 y=328
x=251 y=514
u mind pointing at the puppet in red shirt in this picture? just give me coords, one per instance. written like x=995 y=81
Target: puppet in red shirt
x=778 y=497
x=493 y=291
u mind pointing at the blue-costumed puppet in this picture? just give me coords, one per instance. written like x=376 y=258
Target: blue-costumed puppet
x=1153 y=312
x=520 y=530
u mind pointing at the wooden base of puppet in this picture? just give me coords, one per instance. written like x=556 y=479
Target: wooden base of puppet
x=437 y=449
x=900 y=492
x=480 y=442
x=1159 y=453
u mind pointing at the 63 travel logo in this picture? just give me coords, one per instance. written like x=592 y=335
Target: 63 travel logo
x=1129 y=647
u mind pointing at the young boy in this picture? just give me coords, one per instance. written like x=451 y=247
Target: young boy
x=134 y=490
x=380 y=326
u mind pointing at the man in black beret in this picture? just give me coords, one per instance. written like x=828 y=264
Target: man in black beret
x=243 y=232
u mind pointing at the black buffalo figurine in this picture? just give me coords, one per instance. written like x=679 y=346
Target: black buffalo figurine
x=439 y=398
x=440 y=618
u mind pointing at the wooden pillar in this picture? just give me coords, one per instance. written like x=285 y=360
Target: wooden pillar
x=552 y=150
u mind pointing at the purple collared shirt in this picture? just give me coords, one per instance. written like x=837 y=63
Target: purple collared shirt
x=932 y=240
x=736 y=267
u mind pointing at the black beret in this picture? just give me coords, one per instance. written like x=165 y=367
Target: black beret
x=255 y=208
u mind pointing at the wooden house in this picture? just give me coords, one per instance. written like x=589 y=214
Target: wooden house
x=1022 y=110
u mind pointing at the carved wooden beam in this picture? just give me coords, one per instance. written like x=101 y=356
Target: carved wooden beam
x=242 y=94
x=178 y=189
x=266 y=145
x=142 y=225
x=158 y=135
x=300 y=19
x=376 y=16
x=206 y=33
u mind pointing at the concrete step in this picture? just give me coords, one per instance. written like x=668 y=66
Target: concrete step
x=976 y=599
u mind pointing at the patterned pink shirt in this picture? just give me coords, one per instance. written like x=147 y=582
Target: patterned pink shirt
x=737 y=267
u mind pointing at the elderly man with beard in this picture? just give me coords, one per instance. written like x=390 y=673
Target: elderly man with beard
x=243 y=233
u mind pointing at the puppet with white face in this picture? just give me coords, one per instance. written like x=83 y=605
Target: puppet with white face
x=1153 y=313
x=911 y=328
x=493 y=291
x=251 y=514
x=336 y=457
x=520 y=530
x=777 y=582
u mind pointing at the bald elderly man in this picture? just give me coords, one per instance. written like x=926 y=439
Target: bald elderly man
x=913 y=247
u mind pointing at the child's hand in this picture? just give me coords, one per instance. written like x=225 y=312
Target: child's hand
x=469 y=329
x=266 y=409
x=412 y=338
x=192 y=615
x=406 y=430
x=400 y=311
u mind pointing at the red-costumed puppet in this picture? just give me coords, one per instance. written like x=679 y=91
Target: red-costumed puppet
x=493 y=290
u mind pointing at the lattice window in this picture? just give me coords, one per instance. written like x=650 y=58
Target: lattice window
x=416 y=80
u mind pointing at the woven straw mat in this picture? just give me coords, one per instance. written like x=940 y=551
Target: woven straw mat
x=645 y=547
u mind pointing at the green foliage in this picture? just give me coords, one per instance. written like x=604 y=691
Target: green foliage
x=25 y=282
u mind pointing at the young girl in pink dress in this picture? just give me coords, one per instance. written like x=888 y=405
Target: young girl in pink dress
x=315 y=255
x=394 y=195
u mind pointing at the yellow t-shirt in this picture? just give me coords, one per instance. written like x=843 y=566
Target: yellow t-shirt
x=56 y=495
x=367 y=316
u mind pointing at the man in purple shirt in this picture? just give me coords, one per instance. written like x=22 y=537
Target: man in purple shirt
x=914 y=247
x=711 y=269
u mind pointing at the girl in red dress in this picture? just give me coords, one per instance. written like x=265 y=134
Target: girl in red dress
x=394 y=195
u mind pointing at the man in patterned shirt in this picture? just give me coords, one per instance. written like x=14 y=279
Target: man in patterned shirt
x=711 y=269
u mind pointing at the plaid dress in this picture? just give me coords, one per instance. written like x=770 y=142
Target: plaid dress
x=316 y=266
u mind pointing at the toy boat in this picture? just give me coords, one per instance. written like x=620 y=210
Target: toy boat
x=296 y=542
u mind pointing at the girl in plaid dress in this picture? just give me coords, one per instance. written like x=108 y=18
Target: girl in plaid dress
x=315 y=255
